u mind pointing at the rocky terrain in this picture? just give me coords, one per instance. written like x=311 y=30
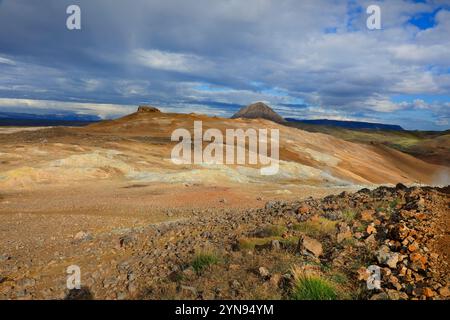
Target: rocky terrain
x=107 y=198
x=266 y=253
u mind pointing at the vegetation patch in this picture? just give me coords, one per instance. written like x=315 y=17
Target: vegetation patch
x=316 y=227
x=203 y=260
x=313 y=288
x=349 y=215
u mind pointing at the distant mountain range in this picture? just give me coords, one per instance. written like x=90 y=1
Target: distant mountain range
x=358 y=125
x=262 y=111
x=252 y=111
x=28 y=119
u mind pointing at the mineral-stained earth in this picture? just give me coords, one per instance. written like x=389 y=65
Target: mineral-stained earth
x=108 y=199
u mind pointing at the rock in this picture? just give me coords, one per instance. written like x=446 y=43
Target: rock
x=263 y=272
x=189 y=272
x=370 y=240
x=303 y=209
x=367 y=215
x=428 y=292
x=234 y=267
x=275 y=245
x=132 y=288
x=110 y=282
x=189 y=290
x=271 y=205
x=358 y=235
x=386 y=257
x=444 y=292
x=400 y=186
x=310 y=245
x=127 y=241
x=380 y=296
x=396 y=295
x=394 y=282
x=235 y=285
x=363 y=274
x=147 y=109
x=82 y=236
x=275 y=280
x=343 y=232
x=223 y=200
x=371 y=229
x=4 y=257
x=26 y=282
x=121 y=295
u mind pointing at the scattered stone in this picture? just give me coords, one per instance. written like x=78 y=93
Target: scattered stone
x=386 y=257
x=371 y=229
x=26 y=282
x=380 y=296
x=4 y=257
x=263 y=272
x=127 y=241
x=367 y=215
x=444 y=291
x=190 y=290
x=343 y=232
x=82 y=236
x=275 y=280
x=311 y=246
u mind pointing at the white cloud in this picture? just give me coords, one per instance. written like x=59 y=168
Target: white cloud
x=101 y=109
x=170 y=61
x=7 y=61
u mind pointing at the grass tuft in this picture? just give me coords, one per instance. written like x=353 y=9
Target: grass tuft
x=349 y=215
x=203 y=260
x=316 y=227
x=312 y=287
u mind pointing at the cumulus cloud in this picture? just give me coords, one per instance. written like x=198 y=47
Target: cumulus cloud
x=309 y=59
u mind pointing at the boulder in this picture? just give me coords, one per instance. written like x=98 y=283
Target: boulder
x=147 y=109
x=310 y=246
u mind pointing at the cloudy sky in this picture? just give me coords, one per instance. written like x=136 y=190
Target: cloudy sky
x=307 y=59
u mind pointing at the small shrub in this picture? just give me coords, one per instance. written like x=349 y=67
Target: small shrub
x=203 y=261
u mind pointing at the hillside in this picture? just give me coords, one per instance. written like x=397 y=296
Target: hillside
x=258 y=110
x=429 y=146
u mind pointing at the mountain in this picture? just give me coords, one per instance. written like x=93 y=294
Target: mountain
x=28 y=119
x=349 y=124
x=258 y=110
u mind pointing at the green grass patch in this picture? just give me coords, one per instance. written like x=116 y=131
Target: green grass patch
x=313 y=288
x=316 y=226
x=203 y=260
x=349 y=215
x=250 y=243
x=393 y=204
x=276 y=230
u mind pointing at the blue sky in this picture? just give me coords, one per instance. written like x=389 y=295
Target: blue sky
x=309 y=60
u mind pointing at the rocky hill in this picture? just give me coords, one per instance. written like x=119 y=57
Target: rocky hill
x=258 y=110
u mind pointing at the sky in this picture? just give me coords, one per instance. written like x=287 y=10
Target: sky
x=306 y=59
